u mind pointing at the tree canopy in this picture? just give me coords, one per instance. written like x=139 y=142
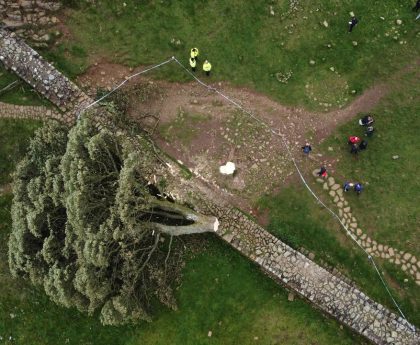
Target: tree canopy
x=89 y=227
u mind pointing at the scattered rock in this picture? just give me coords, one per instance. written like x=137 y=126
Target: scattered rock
x=315 y=173
x=311 y=256
x=312 y=62
x=209 y=334
x=395 y=157
x=335 y=186
x=407 y=256
x=354 y=43
x=398 y=21
x=291 y=297
x=325 y=23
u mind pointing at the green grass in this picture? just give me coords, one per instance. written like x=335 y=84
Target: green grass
x=224 y=293
x=387 y=209
x=185 y=127
x=21 y=94
x=296 y=218
x=221 y=291
x=68 y=58
x=248 y=46
x=14 y=139
x=391 y=185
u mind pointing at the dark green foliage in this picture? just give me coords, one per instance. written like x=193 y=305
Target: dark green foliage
x=77 y=228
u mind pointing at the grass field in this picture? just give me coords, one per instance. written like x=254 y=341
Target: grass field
x=300 y=222
x=387 y=209
x=391 y=185
x=221 y=292
x=249 y=46
x=21 y=94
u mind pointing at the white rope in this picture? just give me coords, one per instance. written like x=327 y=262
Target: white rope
x=122 y=83
x=289 y=153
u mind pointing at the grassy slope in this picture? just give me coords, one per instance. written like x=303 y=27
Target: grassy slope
x=391 y=186
x=21 y=94
x=299 y=221
x=248 y=46
x=221 y=291
x=387 y=209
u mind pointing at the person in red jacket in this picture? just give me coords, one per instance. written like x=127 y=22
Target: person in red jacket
x=354 y=140
x=323 y=172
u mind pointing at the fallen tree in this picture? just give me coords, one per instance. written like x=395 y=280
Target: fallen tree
x=89 y=226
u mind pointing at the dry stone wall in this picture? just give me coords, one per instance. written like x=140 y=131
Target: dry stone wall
x=34 y=20
x=287 y=266
x=329 y=293
x=18 y=13
x=13 y=111
x=18 y=57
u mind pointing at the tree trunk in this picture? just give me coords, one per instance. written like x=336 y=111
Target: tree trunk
x=202 y=223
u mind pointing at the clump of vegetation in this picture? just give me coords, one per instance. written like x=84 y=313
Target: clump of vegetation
x=89 y=227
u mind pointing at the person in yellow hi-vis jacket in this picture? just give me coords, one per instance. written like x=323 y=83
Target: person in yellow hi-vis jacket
x=193 y=63
x=194 y=53
x=207 y=67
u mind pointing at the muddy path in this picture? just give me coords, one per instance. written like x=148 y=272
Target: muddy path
x=202 y=130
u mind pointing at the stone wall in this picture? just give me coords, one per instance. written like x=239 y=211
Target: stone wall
x=33 y=20
x=13 y=111
x=18 y=57
x=332 y=295
x=18 y=13
x=327 y=292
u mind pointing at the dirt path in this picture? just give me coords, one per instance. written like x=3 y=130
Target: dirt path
x=202 y=130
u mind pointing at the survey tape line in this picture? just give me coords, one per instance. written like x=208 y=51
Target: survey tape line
x=279 y=134
x=121 y=84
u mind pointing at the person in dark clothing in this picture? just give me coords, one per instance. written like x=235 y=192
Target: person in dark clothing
x=363 y=145
x=354 y=149
x=347 y=186
x=370 y=129
x=352 y=23
x=307 y=148
x=323 y=172
x=366 y=120
x=417 y=6
x=358 y=188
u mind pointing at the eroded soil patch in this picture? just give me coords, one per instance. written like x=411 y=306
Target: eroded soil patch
x=202 y=130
